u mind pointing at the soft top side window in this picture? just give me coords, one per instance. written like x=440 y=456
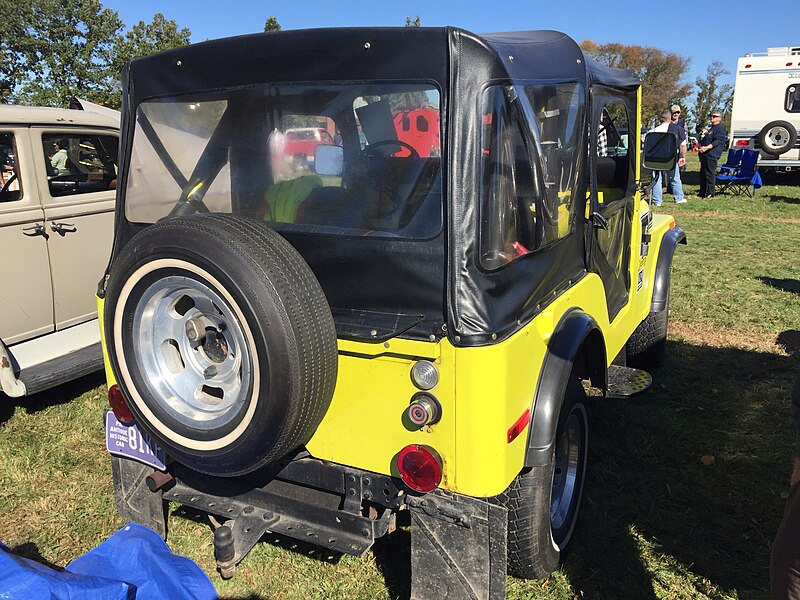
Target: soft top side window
x=613 y=161
x=530 y=157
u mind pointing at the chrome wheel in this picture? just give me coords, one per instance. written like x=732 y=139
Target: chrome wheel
x=566 y=486
x=777 y=137
x=191 y=351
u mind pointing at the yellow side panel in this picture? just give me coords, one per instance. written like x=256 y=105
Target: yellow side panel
x=494 y=385
x=106 y=361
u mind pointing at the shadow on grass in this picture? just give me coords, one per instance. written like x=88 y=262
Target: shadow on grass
x=52 y=397
x=784 y=199
x=786 y=285
x=687 y=477
x=393 y=558
x=31 y=551
x=690 y=178
x=789 y=340
x=773 y=178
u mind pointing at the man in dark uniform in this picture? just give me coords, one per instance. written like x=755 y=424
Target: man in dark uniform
x=712 y=144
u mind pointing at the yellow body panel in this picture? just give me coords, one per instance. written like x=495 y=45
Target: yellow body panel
x=110 y=379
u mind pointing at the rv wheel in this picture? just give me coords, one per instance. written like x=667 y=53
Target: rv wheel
x=777 y=137
x=221 y=340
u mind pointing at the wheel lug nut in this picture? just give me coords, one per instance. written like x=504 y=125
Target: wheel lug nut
x=210 y=371
x=194 y=330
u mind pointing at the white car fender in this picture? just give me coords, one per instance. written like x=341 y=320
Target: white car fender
x=8 y=380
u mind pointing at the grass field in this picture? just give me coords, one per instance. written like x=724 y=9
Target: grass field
x=685 y=484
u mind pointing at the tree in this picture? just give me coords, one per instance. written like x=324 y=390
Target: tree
x=272 y=24
x=661 y=72
x=148 y=38
x=55 y=49
x=711 y=95
x=413 y=22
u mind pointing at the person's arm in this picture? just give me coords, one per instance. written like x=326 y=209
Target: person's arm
x=719 y=138
x=682 y=159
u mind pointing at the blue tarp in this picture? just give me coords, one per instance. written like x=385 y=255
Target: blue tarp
x=133 y=564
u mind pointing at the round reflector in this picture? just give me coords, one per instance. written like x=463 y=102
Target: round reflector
x=424 y=375
x=420 y=469
x=118 y=404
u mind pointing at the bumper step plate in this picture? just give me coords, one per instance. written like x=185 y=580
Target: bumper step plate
x=624 y=382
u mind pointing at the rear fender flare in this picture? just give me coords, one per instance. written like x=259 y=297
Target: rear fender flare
x=666 y=251
x=576 y=344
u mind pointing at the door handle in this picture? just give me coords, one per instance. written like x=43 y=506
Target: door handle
x=35 y=230
x=62 y=228
x=599 y=220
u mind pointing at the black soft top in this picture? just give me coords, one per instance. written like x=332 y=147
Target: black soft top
x=437 y=283
x=369 y=53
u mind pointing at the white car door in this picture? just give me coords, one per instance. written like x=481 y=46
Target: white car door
x=26 y=298
x=79 y=215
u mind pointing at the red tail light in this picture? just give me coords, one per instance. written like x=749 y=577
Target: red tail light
x=742 y=142
x=119 y=405
x=420 y=469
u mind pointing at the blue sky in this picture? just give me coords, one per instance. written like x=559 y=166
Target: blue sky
x=701 y=31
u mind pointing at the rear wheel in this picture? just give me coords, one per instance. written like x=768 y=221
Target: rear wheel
x=222 y=341
x=777 y=137
x=543 y=502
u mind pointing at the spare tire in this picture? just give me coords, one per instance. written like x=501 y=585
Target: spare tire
x=777 y=137
x=221 y=340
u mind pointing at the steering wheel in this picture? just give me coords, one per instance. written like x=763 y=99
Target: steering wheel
x=8 y=183
x=370 y=147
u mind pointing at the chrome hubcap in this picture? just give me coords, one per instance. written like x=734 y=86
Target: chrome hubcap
x=192 y=352
x=777 y=136
x=565 y=477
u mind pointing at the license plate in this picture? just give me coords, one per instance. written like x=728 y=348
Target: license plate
x=128 y=441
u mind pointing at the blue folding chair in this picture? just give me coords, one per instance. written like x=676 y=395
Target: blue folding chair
x=732 y=163
x=745 y=180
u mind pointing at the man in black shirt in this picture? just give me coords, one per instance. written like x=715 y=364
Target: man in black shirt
x=712 y=143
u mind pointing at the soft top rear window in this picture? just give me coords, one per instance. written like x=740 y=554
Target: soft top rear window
x=321 y=158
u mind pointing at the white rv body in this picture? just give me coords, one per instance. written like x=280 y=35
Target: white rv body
x=766 y=107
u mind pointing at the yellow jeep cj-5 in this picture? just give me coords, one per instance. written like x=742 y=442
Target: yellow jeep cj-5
x=401 y=324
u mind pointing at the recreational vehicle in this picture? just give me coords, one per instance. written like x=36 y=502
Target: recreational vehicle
x=766 y=107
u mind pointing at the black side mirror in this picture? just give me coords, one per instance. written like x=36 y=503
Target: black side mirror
x=660 y=150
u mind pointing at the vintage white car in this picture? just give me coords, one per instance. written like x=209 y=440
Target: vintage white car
x=58 y=174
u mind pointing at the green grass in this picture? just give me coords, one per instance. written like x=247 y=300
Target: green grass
x=657 y=521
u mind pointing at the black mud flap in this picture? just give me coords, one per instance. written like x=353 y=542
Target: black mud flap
x=134 y=500
x=458 y=548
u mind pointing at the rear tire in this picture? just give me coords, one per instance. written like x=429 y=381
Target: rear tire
x=222 y=341
x=543 y=502
x=645 y=347
x=777 y=137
